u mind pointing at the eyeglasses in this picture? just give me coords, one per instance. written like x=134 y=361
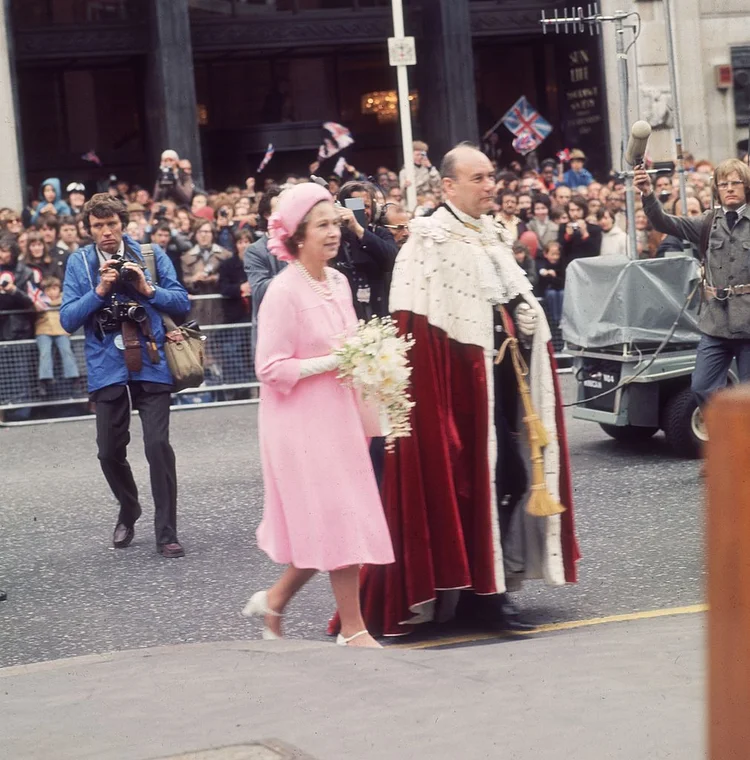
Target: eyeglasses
x=399 y=227
x=729 y=183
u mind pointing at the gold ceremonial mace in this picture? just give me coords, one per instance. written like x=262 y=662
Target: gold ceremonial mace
x=541 y=502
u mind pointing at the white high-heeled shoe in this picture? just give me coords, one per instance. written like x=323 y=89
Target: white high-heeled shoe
x=342 y=642
x=258 y=607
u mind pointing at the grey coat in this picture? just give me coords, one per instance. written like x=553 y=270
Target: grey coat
x=261 y=266
x=727 y=264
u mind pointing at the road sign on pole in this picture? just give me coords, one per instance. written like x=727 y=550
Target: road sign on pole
x=402 y=52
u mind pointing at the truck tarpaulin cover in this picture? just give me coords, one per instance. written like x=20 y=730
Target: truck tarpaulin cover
x=611 y=300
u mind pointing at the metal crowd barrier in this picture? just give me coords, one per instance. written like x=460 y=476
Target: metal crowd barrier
x=230 y=378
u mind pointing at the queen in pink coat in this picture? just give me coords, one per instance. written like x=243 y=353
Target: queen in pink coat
x=322 y=510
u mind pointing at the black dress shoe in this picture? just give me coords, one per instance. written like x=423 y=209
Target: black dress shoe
x=495 y=611
x=170 y=551
x=122 y=536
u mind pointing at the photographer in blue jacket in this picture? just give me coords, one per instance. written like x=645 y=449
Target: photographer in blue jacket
x=108 y=291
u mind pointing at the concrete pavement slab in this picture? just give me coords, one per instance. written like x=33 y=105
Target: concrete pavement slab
x=612 y=692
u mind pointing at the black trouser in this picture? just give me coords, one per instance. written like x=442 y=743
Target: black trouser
x=113 y=436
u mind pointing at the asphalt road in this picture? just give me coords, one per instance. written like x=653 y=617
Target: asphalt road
x=639 y=513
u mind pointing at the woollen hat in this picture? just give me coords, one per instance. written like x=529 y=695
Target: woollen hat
x=294 y=205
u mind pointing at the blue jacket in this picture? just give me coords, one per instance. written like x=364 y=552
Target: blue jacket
x=575 y=179
x=60 y=205
x=104 y=361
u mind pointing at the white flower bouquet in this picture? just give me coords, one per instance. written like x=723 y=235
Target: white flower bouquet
x=374 y=362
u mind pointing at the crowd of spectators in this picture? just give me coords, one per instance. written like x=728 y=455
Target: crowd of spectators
x=550 y=216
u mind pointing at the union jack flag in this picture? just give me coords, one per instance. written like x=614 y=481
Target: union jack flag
x=526 y=142
x=339 y=138
x=523 y=117
x=270 y=150
x=92 y=158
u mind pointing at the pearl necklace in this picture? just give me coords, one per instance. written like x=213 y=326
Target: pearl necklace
x=322 y=289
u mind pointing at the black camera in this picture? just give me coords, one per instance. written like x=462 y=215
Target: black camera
x=110 y=318
x=127 y=275
x=166 y=177
x=161 y=214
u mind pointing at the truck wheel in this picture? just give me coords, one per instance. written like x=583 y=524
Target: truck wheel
x=683 y=425
x=629 y=433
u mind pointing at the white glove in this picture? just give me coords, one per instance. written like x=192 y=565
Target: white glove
x=526 y=319
x=318 y=365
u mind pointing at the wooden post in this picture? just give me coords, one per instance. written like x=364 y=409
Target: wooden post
x=728 y=556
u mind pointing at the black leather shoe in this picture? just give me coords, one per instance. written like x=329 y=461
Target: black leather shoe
x=170 y=551
x=495 y=611
x=122 y=536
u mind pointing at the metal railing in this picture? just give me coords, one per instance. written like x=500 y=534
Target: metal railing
x=230 y=376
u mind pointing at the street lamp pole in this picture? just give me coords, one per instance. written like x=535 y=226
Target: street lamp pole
x=403 y=103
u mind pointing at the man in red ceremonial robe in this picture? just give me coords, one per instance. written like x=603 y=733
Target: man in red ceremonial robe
x=454 y=493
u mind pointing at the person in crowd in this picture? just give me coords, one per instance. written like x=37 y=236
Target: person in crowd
x=507 y=221
x=672 y=244
x=84 y=238
x=647 y=239
x=137 y=215
x=548 y=174
x=12 y=224
x=173 y=243
x=137 y=377
x=541 y=224
x=200 y=200
x=322 y=510
x=577 y=175
x=615 y=204
x=395 y=195
x=18 y=293
x=614 y=238
x=334 y=184
x=50 y=334
x=68 y=238
x=522 y=255
x=524 y=207
x=233 y=284
x=448 y=284
x=426 y=176
x=184 y=222
x=551 y=281
x=367 y=252
x=724 y=237
x=50 y=200
x=664 y=188
x=397 y=223
x=577 y=238
x=39 y=259
x=49 y=227
x=243 y=216
x=19 y=298
x=559 y=216
x=261 y=266
x=531 y=241
x=594 y=206
x=562 y=195
x=200 y=272
x=172 y=183
x=225 y=227
x=23 y=242
x=76 y=197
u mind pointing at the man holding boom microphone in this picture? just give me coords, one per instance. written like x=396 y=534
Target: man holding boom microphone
x=723 y=239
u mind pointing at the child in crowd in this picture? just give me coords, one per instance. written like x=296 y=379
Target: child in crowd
x=522 y=256
x=551 y=284
x=49 y=333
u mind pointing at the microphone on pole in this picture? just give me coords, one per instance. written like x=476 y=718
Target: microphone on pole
x=638 y=142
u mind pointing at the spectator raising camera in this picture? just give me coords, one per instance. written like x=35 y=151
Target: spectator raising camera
x=173 y=183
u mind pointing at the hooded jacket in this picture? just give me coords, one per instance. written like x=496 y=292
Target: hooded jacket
x=61 y=207
x=104 y=361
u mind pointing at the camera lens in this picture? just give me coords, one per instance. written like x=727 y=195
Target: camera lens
x=136 y=313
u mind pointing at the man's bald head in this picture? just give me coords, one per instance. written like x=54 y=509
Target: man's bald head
x=468 y=180
x=460 y=153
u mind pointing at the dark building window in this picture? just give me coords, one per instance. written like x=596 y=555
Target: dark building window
x=245 y=8
x=29 y=13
